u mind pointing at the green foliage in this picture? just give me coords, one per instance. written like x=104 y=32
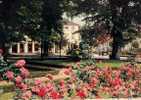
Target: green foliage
x=74 y=52
x=29 y=18
x=109 y=16
x=84 y=50
x=4 y=66
x=84 y=63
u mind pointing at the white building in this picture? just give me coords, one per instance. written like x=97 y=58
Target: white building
x=33 y=47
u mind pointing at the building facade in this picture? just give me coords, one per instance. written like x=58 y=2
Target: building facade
x=32 y=47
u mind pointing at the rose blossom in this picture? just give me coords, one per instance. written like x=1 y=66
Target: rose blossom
x=42 y=91
x=9 y=75
x=20 y=63
x=37 y=82
x=35 y=89
x=22 y=86
x=49 y=87
x=81 y=94
x=55 y=95
x=27 y=95
x=62 y=84
x=24 y=72
x=117 y=81
x=68 y=71
x=18 y=79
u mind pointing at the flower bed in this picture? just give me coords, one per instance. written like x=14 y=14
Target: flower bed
x=82 y=81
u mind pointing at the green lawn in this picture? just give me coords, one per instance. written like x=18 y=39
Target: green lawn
x=99 y=63
x=53 y=62
x=111 y=63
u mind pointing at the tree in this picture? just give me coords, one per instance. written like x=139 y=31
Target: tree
x=19 y=18
x=51 y=21
x=116 y=15
x=8 y=17
x=29 y=18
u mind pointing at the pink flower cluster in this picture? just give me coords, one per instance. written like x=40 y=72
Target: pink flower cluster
x=121 y=82
x=86 y=82
x=18 y=79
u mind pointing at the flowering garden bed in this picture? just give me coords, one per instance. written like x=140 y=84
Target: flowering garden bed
x=80 y=81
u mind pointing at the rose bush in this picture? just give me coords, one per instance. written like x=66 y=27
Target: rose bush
x=83 y=81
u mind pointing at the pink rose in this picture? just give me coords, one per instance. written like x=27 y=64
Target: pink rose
x=24 y=72
x=18 y=79
x=9 y=75
x=62 y=84
x=22 y=86
x=20 y=63
x=67 y=71
x=37 y=82
x=26 y=95
x=35 y=89
x=49 y=87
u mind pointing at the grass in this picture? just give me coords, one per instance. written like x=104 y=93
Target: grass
x=99 y=63
x=54 y=62
x=111 y=63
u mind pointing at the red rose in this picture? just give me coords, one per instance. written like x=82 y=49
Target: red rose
x=81 y=94
x=42 y=91
x=55 y=95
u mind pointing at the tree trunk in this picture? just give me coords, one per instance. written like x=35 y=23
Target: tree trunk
x=60 y=44
x=2 y=44
x=44 y=48
x=117 y=42
x=115 y=48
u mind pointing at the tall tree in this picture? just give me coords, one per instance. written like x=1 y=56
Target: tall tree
x=117 y=15
x=29 y=18
x=51 y=21
x=8 y=17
